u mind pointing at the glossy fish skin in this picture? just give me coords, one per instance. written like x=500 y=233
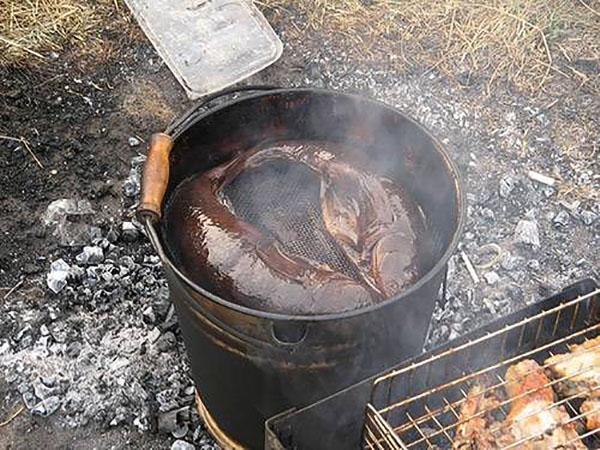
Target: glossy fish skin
x=365 y=215
x=377 y=229
x=233 y=255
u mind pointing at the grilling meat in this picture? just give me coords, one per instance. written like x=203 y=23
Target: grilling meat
x=532 y=423
x=363 y=215
x=532 y=418
x=579 y=375
x=591 y=410
x=476 y=423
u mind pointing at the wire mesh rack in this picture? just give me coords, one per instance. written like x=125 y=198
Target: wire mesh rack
x=534 y=383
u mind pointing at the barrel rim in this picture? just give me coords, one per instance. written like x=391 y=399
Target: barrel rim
x=156 y=238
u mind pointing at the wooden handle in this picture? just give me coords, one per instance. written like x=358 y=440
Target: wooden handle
x=155 y=178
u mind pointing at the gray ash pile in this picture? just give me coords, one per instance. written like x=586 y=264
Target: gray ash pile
x=101 y=345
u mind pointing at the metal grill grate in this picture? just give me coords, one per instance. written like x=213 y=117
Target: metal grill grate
x=422 y=405
x=283 y=200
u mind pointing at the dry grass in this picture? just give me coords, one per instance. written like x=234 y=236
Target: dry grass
x=30 y=29
x=524 y=42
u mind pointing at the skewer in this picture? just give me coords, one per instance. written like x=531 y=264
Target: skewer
x=469 y=266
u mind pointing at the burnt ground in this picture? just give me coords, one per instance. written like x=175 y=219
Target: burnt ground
x=78 y=113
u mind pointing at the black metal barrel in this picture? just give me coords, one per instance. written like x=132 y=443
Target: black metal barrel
x=249 y=365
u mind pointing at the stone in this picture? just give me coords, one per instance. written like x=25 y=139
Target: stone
x=526 y=232
x=58 y=275
x=182 y=445
x=91 y=255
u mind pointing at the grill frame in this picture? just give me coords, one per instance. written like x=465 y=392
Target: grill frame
x=389 y=419
x=338 y=421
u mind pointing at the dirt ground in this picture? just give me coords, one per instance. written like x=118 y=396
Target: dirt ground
x=76 y=113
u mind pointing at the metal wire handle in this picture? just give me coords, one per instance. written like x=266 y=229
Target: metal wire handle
x=180 y=123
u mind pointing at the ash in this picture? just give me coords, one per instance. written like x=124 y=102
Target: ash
x=106 y=349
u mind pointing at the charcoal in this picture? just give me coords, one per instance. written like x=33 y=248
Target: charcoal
x=57 y=277
x=167 y=422
x=148 y=315
x=153 y=335
x=488 y=214
x=561 y=219
x=90 y=255
x=112 y=236
x=190 y=390
x=120 y=417
x=42 y=391
x=197 y=433
x=180 y=431
x=70 y=221
x=588 y=217
x=131 y=186
x=491 y=277
x=30 y=400
x=133 y=141
x=527 y=232
x=47 y=406
x=129 y=231
x=510 y=262
x=182 y=445
x=4 y=347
